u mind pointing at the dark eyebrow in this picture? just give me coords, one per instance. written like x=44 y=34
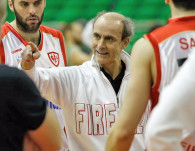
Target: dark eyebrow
x=95 y=34
x=109 y=36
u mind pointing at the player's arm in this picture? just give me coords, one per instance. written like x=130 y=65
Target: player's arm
x=136 y=98
x=48 y=136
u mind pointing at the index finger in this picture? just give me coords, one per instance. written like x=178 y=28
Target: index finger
x=33 y=47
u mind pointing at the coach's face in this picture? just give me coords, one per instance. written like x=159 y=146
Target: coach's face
x=28 y=14
x=3 y=13
x=107 y=44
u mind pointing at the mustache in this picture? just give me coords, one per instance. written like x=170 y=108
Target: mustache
x=100 y=50
x=34 y=16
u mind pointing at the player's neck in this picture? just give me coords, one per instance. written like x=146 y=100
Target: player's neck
x=30 y=37
x=175 y=13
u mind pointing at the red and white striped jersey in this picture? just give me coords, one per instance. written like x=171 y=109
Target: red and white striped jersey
x=172 y=45
x=51 y=47
x=52 y=51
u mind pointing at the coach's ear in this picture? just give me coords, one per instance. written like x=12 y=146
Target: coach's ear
x=11 y=7
x=125 y=42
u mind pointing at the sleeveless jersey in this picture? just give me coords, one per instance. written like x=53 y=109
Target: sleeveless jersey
x=52 y=51
x=51 y=47
x=172 y=45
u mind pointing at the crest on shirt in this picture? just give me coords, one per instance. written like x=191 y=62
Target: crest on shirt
x=54 y=58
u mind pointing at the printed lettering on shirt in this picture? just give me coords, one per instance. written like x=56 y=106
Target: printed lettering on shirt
x=185 y=44
x=15 y=51
x=140 y=127
x=187 y=147
x=79 y=109
x=97 y=112
x=97 y=119
x=52 y=106
x=110 y=118
x=89 y=119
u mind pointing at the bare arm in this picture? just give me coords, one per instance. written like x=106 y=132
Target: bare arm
x=48 y=136
x=136 y=98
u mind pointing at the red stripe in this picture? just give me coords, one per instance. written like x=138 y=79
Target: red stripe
x=2 y=53
x=48 y=30
x=155 y=93
x=57 y=34
x=63 y=48
x=174 y=27
x=5 y=30
x=16 y=34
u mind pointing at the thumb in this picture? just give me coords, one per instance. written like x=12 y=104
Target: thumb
x=36 y=55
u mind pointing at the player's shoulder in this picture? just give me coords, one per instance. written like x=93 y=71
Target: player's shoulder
x=142 y=49
x=48 y=30
x=5 y=29
x=143 y=43
x=161 y=29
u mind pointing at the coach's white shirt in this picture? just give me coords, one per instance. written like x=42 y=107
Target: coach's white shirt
x=89 y=102
x=171 y=126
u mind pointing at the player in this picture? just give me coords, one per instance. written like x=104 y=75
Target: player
x=75 y=49
x=23 y=110
x=91 y=94
x=26 y=28
x=155 y=60
x=176 y=126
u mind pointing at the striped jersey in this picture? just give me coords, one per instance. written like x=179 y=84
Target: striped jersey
x=52 y=51
x=172 y=45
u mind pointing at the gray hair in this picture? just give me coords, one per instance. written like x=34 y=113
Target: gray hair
x=128 y=25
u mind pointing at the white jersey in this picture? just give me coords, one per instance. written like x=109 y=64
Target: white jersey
x=172 y=45
x=52 y=51
x=171 y=126
x=89 y=102
x=51 y=47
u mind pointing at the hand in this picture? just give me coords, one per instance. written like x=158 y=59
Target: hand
x=29 y=55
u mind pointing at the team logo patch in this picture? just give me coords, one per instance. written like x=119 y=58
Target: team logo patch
x=19 y=58
x=54 y=58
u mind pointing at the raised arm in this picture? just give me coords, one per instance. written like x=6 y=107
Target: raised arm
x=136 y=98
x=55 y=84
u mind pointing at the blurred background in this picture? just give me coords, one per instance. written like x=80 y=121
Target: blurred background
x=146 y=14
